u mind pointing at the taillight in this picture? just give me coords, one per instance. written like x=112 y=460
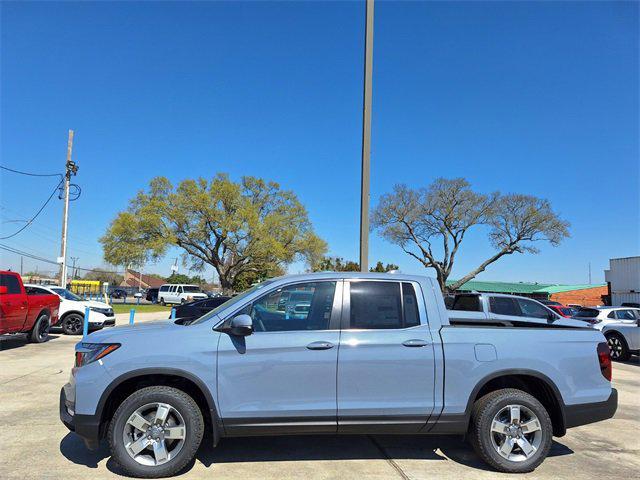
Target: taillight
x=604 y=357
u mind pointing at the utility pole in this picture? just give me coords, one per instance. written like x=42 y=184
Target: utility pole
x=70 y=169
x=21 y=263
x=73 y=267
x=366 y=138
x=589 y=273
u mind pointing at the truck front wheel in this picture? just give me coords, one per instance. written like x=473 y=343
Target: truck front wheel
x=156 y=432
x=511 y=430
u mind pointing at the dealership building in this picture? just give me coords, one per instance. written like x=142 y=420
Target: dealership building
x=623 y=280
x=585 y=295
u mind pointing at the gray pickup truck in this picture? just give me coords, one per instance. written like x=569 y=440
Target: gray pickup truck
x=333 y=353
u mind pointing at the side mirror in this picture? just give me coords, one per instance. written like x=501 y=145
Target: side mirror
x=242 y=326
x=3 y=289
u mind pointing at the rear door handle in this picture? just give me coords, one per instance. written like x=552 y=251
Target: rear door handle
x=320 y=346
x=415 y=342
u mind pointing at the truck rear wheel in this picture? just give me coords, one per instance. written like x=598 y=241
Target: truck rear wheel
x=511 y=430
x=40 y=331
x=156 y=432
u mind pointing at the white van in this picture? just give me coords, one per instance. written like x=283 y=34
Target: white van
x=179 y=293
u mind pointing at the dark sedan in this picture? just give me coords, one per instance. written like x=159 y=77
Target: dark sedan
x=193 y=310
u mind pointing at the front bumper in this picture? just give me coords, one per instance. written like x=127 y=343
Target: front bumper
x=85 y=426
x=585 y=413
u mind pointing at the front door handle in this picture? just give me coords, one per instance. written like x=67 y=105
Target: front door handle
x=415 y=342
x=320 y=346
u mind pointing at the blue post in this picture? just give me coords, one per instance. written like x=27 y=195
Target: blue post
x=85 y=327
x=173 y=314
x=132 y=313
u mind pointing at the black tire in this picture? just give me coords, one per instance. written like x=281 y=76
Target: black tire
x=482 y=437
x=179 y=400
x=162 y=301
x=72 y=324
x=40 y=331
x=618 y=347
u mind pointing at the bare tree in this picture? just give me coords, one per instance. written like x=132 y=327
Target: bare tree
x=444 y=212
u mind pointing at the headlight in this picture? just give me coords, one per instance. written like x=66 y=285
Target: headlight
x=90 y=352
x=104 y=311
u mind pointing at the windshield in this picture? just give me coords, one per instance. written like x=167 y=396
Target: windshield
x=66 y=294
x=232 y=301
x=191 y=289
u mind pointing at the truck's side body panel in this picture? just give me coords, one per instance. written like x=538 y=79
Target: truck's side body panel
x=569 y=361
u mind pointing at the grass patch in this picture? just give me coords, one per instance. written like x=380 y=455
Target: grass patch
x=124 y=308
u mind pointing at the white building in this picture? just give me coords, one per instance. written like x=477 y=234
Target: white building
x=623 y=278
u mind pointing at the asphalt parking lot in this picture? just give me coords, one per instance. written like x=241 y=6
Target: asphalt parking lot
x=34 y=444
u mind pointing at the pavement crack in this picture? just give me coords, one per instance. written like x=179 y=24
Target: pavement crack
x=388 y=458
x=25 y=375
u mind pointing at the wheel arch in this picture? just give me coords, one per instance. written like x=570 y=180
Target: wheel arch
x=125 y=384
x=533 y=382
x=66 y=314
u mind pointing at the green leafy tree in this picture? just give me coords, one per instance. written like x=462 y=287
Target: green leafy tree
x=338 y=264
x=236 y=227
x=431 y=223
x=109 y=276
x=381 y=268
x=182 y=278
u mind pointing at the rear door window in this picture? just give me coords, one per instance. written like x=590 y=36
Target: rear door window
x=625 y=315
x=504 y=306
x=383 y=305
x=467 y=303
x=531 y=308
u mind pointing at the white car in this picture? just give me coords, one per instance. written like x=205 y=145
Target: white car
x=72 y=309
x=599 y=317
x=179 y=293
x=623 y=339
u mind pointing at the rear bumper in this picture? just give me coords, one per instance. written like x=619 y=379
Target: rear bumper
x=585 y=413
x=85 y=426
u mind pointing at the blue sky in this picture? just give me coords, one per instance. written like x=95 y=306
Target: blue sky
x=536 y=98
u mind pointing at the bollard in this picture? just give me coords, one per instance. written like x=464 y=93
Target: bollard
x=132 y=313
x=85 y=326
x=173 y=314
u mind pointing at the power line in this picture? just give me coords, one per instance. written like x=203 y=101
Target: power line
x=11 y=249
x=31 y=174
x=29 y=222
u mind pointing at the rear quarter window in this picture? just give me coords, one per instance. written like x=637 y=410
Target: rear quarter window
x=11 y=282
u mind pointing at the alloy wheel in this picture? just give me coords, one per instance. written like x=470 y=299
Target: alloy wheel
x=616 y=347
x=43 y=328
x=154 y=434
x=516 y=433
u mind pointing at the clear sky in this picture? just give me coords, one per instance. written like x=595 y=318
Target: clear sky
x=538 y=98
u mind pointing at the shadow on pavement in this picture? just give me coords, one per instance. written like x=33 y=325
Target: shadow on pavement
x=9 y=342
x=309 y=448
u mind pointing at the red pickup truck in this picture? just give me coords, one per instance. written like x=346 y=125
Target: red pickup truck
x=24 y=313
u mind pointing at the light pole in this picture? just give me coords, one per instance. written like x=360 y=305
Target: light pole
x=366 y=138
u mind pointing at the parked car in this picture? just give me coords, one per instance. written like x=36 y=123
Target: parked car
x=118 y=293
x=25 y=312
x=369 y=357
x=623 y=339
x=563 y=310
x=152 y=295
x=601 y=316
x=72 y=308
x=192 y=310
x=179 y=293
x=504 y=309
